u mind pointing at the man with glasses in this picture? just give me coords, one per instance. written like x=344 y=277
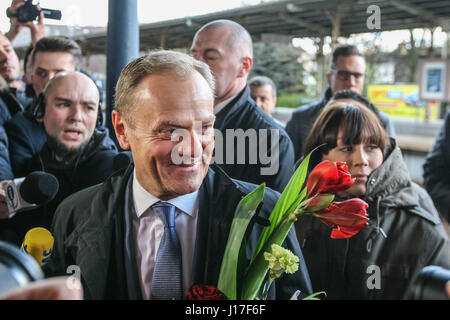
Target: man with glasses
x=346 y=73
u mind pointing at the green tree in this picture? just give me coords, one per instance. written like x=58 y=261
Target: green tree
x=280 y=63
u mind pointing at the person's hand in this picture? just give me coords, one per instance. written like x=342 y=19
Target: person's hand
x=47 y=289
x=4 y=212
x=37 y=30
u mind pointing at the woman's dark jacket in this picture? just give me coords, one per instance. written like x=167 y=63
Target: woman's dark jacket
x=404 y=235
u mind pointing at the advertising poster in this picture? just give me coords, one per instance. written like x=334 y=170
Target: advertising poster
x=402 y=101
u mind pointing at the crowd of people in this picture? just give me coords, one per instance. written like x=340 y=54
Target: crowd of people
x=155 y=227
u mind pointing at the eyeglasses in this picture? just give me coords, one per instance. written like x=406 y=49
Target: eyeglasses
x=345 y=75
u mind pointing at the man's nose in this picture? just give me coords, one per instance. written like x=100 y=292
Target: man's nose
x=191 y=146
x=76 y=113
x=198 y=57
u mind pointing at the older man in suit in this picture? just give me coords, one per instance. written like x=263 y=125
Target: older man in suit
x=161 y=225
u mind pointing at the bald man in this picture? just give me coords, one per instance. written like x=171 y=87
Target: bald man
x=76 y=153
x=250 y=146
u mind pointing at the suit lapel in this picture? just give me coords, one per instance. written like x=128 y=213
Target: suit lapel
x=218 y=200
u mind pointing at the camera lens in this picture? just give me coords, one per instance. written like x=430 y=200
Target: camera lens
x=16 y=268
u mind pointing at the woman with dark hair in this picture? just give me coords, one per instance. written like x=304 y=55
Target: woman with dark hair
x=404 y=233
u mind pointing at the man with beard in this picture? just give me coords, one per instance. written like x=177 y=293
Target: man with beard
x=26 y=135
x=76 y=153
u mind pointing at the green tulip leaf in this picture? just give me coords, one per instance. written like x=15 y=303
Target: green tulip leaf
x=245 y=210
x=290 y=196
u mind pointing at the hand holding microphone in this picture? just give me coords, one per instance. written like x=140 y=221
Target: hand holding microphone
x=4 y=212
x=27 y=193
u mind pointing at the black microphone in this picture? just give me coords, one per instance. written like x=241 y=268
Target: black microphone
x=16 y=268
x=36 y=189
x=430 y=284
x=122 y=160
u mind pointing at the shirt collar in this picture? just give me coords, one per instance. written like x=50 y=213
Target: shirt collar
x=222 y=105
x=188 y=203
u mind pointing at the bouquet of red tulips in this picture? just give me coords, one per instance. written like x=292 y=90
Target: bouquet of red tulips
x=317 y=199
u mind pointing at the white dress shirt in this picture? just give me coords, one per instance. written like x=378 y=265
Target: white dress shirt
x=148 y=230
x=222 y=105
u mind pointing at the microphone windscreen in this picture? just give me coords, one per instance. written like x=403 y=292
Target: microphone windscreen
x=39 y=187
x=122 y=160
x=38 y=243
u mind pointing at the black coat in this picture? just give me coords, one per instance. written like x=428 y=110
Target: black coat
x=436 y=171
x=5 y=164
x=26 y=139
x=93 y=166
x=404 y=234
x=89 y=232
x=243 y=113
x=10 y=104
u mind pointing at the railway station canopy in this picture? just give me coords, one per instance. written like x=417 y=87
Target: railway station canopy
x=290 y=18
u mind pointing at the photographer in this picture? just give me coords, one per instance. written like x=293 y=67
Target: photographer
x=37 y=30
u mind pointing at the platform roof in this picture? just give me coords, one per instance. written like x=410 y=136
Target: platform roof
x=290 y=18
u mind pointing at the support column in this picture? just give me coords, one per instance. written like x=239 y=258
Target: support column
x=122 y=46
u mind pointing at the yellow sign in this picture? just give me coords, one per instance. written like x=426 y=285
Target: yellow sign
x=401 y=101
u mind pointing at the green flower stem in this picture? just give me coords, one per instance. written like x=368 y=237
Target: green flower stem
x=258 y=269
x=266 y=288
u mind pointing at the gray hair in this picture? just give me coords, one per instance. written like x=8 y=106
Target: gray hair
x=260 y=81
x=157 y=62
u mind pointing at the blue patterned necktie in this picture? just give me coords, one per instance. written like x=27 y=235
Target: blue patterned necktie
x=166 y=283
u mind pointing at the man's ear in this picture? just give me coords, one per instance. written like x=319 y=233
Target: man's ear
x=120 y=128
x=246 y=65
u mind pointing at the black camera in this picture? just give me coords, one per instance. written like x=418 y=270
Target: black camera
x=30 y=12
x=16 y=268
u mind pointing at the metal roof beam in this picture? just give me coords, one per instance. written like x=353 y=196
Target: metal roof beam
x=304 y=24
x=419 y=12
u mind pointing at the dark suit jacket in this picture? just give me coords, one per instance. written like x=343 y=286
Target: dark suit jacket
x=89 y=232
x=243 y=113
x=303 y=117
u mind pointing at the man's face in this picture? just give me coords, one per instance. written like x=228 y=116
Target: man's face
x=46 y=65
x=9 y=63
x=264 y=98
x=71 y=112
x=211 y=46
x=165 y=104
x=348 y=74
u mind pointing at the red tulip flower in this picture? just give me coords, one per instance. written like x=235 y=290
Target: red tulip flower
x=329 y=177
x=349 y=217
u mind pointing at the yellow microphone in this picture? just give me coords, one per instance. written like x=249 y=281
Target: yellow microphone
x=38 y=243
